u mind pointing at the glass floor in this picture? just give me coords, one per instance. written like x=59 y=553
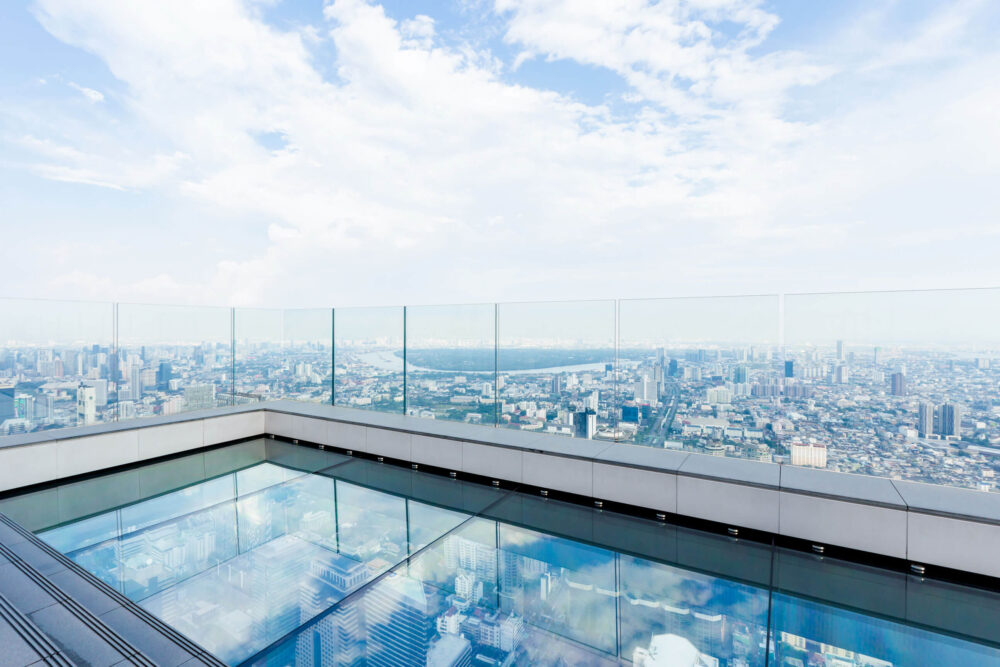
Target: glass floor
x=267 y=553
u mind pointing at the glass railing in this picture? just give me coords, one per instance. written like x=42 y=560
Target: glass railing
x=903 y=385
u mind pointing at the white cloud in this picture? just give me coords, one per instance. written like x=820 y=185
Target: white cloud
x=92 y=95
x=421 y=174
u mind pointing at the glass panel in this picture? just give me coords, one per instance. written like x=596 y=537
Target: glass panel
x=451 y=362
x=556 y=369
x=308 y=337
x=167 y=553
x=173 y=358
x=809 y=633
x=895 y=384
x=560 y=586
x=339 y=572
x=82 y=533
x=670 y=610
x=702 y=375
x=369 y=356
x=304 y=545
x=177 y=503
x=260 y=359
x=56 y=364
x=371 y=525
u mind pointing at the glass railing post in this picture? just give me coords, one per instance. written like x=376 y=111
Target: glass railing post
x=333 y=356
x=232 y=356
x=113 y=370
x=404 y=360
x=616 y=399
x=496 y=365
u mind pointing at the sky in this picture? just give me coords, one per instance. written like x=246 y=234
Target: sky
x=300 y=154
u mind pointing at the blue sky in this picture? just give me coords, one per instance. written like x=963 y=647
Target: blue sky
x=352 y=152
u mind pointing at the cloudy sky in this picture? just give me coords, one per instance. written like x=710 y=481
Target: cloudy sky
x=304 y=154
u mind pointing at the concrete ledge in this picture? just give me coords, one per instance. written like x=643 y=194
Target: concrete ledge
x=924 y=523
x=855 y=511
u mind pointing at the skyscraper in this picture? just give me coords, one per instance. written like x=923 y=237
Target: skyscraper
x=840 y=350
x=898 y=384
x=789 y=369
x=200 y=396
x=6 y=400
x=86 y=405
x=164 y=375
x=585 y=424
x=135 y=383
x=338 y=639
x=951 y=419
x=398 y=623
x=925 y=419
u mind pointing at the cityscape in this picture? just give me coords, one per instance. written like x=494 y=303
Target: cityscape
x=270 y=565
x=925 y=413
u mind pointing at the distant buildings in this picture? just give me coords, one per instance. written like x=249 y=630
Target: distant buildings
x=950 y=419
x=945 y=421
x=585 y=424
x=925 y=419
x=86 y=405
x=200 y=396
x=6 y=400
x=398 y=623
x=898 y=383
x=809 y=454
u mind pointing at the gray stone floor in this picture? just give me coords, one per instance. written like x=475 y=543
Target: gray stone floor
x=54 y=613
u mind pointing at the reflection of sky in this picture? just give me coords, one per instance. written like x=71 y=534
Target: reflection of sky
x=874 y=637
x=236 y=591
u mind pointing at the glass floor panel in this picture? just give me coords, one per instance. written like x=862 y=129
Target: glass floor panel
x=271 y=554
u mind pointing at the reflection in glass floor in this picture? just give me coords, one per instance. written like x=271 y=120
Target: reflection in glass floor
x=296 y=557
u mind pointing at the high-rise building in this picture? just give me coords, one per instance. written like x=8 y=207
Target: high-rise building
x=556 y=384
x=164 y=375
x=585 y=424
x=741 y=374
x=135 y=383
x=645 y=390
x=200 y=396
x=789 y=369
x=925 y=419
x=840 y=350
x=24 y=406
x=672 y=367
x=841 y=374
x=338 y=638
x=630 y=413
x=43 y=407
x=951 y=419
x=399 y=627
x=718 y=396
x=809 y=454
x=6 y=400
x=100 y=386
x=875 y=356
x=898 y=381
x=86 y=405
